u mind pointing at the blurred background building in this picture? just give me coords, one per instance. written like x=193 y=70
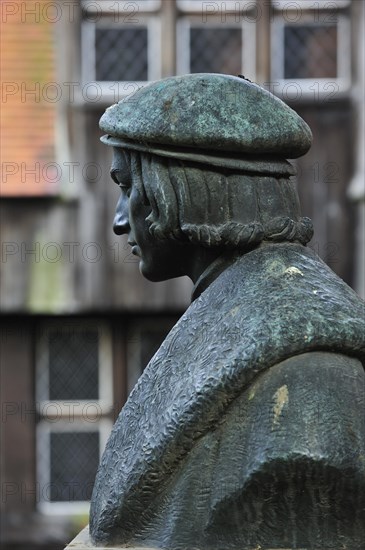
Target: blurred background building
x=78 y=322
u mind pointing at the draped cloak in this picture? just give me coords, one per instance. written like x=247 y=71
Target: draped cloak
x=271 y=306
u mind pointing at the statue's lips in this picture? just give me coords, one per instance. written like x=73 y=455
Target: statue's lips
x=135 y=249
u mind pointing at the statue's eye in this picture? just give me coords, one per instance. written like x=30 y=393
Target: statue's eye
x=121 y=178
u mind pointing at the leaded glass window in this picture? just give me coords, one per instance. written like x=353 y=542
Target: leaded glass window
x=121 y=47
x=73 y=364
x=121 y=54
x=310 y=49
x=74 y=405
x=215 y=50
x=73 y=463
x=215 y=47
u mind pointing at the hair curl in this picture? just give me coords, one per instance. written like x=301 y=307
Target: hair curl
x=217 y=207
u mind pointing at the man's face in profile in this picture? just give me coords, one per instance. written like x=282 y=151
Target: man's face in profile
x=160 y=259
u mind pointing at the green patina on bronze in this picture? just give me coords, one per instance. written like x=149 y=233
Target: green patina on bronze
x=213 y=112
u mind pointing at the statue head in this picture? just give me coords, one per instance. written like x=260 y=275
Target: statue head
x=201 y=162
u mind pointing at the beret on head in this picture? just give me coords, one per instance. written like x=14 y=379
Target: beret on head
x=211 y=118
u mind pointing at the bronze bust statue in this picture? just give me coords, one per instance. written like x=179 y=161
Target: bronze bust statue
x=246 y=429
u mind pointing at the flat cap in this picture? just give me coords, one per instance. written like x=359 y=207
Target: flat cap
x=208 y=116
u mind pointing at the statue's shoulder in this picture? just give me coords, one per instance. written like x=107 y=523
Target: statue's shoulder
x=307 y=405
x=304 y=432
x=292 y=441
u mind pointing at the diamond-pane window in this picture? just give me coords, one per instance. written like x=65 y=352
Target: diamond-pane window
x=73 y=364
x=121 y=54
x=216 y=50
x=74 y=399
x=73 y=464
x=310 y=51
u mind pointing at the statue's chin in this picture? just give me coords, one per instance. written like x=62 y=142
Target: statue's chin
x=156 y=275
x=149 y=273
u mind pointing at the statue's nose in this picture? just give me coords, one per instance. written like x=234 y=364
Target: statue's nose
x=121 y=219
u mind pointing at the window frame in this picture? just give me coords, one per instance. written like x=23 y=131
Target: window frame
x=248 y=51
x=44 y=430
x=105 y=400
x=312 y=88
x=111 y=90
x=108 y=6
x=149 y=18
x=316 y=5
x=69 y=414
x=230 y=6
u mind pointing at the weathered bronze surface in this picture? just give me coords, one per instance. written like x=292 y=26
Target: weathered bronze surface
x=246 y=430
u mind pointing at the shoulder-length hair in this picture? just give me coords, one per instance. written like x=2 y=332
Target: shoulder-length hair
x=217 y=207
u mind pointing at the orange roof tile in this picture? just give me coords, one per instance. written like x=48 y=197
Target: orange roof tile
x=27 y=120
